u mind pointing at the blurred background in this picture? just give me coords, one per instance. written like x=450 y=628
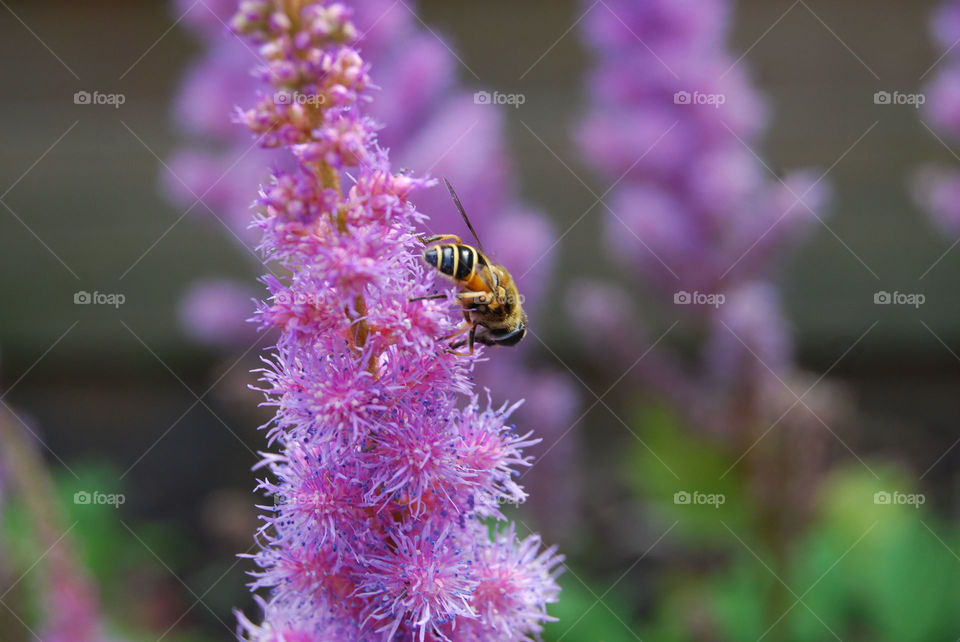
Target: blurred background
x=118 y=399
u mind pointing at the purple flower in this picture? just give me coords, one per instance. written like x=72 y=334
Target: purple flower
x=674 y=123
x=943 y=106
x=213 y=87
x=423 y=579
x=672 y=118
x=936 y=188
x=381 y=479
x=509 y=595
x=945 y=24
x=209 y=312
x=430 y=125
x=750 y=314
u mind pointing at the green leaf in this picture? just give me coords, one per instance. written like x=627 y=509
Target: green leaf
x=583 y=618
x=686 y=479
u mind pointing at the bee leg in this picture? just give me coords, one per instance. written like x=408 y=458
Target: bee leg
x=471 y=299
x=433 y=238
x=469 y=341
x=466 y=299
x=429 y=297
x=457 y=333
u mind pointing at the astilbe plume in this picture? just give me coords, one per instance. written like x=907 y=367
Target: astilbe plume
x=383 y=475
x=672 y=125
x=672 y=121
x=691 y=188
x=432 y=125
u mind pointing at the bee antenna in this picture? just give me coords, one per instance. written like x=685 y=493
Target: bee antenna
x=463 y=213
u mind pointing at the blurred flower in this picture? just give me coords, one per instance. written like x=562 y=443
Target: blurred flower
x=609 y=312
x=524 y=241
x=619 y=334
x=945 y=24
x=74 y=608
x=672 y=117
x=380 y=481
x=210 y=309
x=936 y=189
x=212 y=87
x=209 y=16
x=69 y=600
x=673 y=122
x=749 y=336
x=555 y=478
x=943 y=105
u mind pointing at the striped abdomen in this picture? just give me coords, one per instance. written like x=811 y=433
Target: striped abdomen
x=457 y=261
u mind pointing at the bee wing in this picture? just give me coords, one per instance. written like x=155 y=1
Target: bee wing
x=485 y=273
x=463 y=213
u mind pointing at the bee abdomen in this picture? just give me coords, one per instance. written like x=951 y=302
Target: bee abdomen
x=465 y=264
x=455 y=261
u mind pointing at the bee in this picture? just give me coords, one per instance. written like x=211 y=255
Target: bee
x=488 y=294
